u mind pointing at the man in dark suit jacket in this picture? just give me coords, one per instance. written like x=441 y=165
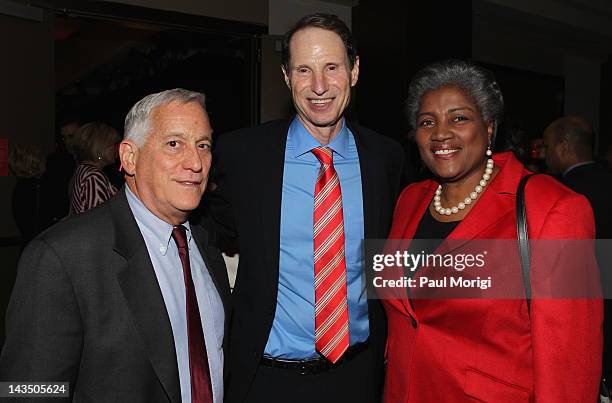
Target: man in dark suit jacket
x=126 y=302
x=569 y=154
x=270 y=186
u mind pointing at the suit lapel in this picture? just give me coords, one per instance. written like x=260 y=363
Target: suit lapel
x=271 y=162
x=411 y=223
x=424 y=199
x=143 y=296
x=370 y=196
x=490 y=209
x=494 y=204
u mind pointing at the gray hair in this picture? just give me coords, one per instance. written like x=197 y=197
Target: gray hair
x=477 y=82
x=137 y=125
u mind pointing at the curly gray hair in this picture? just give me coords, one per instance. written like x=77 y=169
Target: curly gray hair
x=477 y=82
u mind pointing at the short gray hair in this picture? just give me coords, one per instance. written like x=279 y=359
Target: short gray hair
x=137 y=125
x=477 y=82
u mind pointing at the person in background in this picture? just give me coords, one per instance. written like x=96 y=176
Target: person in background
x=95 y=146
x=486 y=349
x=569 y=155
x=58 y=173
x=27 y=164
x=535 y=159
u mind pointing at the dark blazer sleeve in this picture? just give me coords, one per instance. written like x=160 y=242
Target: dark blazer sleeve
x=398 y=163
x=44 y=331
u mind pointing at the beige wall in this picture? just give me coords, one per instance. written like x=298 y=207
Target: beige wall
x=27 y=101
x=255 y=11
x=275 y=96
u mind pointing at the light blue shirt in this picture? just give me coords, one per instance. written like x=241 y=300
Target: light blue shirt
x=293 y=330
x=164 y=255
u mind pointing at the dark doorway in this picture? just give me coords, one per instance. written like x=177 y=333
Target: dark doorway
x=105 y=62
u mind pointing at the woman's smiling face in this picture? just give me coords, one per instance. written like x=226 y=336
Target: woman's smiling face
x=451 y=134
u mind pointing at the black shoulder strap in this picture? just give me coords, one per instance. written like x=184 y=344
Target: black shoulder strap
x=523 y=243
x=523 y=237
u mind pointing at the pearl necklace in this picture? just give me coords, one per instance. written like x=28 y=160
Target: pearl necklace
x=468 y=200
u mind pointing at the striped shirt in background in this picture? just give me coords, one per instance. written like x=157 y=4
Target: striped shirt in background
x=88 y=188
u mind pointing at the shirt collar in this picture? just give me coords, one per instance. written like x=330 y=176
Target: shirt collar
x=301 y=141
x=152 y=226
x=577 y=165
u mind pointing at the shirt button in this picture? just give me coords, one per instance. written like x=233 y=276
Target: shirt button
x=162 y=249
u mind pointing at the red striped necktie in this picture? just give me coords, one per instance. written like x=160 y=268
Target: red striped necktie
x=201 y=388
x=331 y=309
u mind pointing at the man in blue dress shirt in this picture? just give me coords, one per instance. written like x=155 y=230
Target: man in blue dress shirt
x=267 y=194
x=126 y=302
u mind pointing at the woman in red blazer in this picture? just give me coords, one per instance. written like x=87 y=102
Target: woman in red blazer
x=487 y=350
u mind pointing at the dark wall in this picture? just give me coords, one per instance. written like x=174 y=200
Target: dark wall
x=394 y=41
x=27 y=101
x=218 y=65
x=605 y=111
x=531 y=100
x=26 y=80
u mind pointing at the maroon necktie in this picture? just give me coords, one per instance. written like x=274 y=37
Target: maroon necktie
x=201 y=389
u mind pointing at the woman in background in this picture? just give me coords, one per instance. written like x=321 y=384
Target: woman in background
x=488 y=350
x=27 y=164
x=95 y=146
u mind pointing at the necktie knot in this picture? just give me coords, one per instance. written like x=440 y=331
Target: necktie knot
x=324 y=155
x=179 y=233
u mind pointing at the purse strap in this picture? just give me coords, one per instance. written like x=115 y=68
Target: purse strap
x=523 y=243
x=523 y=238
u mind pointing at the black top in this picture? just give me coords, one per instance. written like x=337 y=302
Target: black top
x=432 y=232
x=430 y=228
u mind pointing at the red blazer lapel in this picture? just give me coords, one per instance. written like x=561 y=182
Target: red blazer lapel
x=411 y=205
x=497 y=201
x=494 y=205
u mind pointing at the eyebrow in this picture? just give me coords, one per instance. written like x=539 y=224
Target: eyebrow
x=461 y=108
x=182 y=135
x=450 y=110
x=307 y=66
